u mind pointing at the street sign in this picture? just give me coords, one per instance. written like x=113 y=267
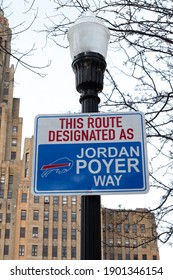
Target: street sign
x=89 y=154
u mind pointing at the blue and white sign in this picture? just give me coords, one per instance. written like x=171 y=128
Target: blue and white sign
x=90 y=154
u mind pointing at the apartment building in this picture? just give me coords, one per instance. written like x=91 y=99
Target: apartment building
x=129 y=235
x=42 y=227
x=10 y=144
x=46 y=227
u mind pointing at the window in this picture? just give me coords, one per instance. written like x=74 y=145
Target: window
x=24 y=197
x=118 y=227
x=127 y=256
x=64 y=252
x=23 y=214
x=13 y=155
x=144 y=245
x=64 y=216
x=119 y=256
x=14 y=129
x=46 y=216
x=142 y=227
x=34 y=250
x=134 y=228
x=73 y=200
x=73 y=217
x=55 y=200
x=73 y=252
x=54 y=251
x=45 y=233
x=0 y=217
x=64 y=200
x=55 y=216
x=104 y=227
x=111 y=241
x=10 y=186
x=111 y=256
x=55 y=233
x=10 y=180
x=45 y=251
x=154 y=257
x=5 y=91
x=127 y=243
x=35 y=232
x=2 y=183
x=8 y=218
x=26 y=172
x=7 y=233
x=35 y=215
x=46 y=199
x=119 y=242
x=21 y=250
x=22 y=232
x=144 y=257
x=135 y=256
x=64 y=233
x=36 y=199
x=73 y=234
x=14 y=142
x=6 y=250
x=2 y=179
x=135 y=243
x=26 y=164
x=7 y=74
x=111 y=227
x=126 y=228
x=26 y=157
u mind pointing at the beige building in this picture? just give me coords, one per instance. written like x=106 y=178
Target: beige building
x=46 y=227
x=33 y=227
x=10 y=145
x=129 y=235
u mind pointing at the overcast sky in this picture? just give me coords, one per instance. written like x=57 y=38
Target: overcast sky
x=55 y=93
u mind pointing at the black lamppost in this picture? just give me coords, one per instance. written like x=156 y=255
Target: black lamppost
x=88 y=39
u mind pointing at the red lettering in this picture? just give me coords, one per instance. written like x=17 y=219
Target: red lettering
x=126 y=134
x=62 y=123
x=79 y=123
x=130 y=133
x=122 y=135
x=118 y=121
x=51 y=136
x=90 y=122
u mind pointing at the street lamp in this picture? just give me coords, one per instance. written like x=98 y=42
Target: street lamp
x=88 y=38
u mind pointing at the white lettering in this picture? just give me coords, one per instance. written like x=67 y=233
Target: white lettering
x=132 y=163
x=80 y=164
x=110 y=152
x=107 y=180
x=118 y=165
x=107 y=164
x=94 y=166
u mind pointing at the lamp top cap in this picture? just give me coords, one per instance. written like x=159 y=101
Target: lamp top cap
x=89 y=16
x=88 y=34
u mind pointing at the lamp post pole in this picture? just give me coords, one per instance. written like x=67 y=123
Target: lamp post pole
x=89 y=65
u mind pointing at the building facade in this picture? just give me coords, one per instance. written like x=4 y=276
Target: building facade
x=129 y=235
x=40 y=228
x=46 y=227
x=10 y=144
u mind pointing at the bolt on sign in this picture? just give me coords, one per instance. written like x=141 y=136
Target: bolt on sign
x=89 y=154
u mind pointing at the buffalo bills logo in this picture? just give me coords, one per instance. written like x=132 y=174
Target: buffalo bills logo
x=59 y=166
